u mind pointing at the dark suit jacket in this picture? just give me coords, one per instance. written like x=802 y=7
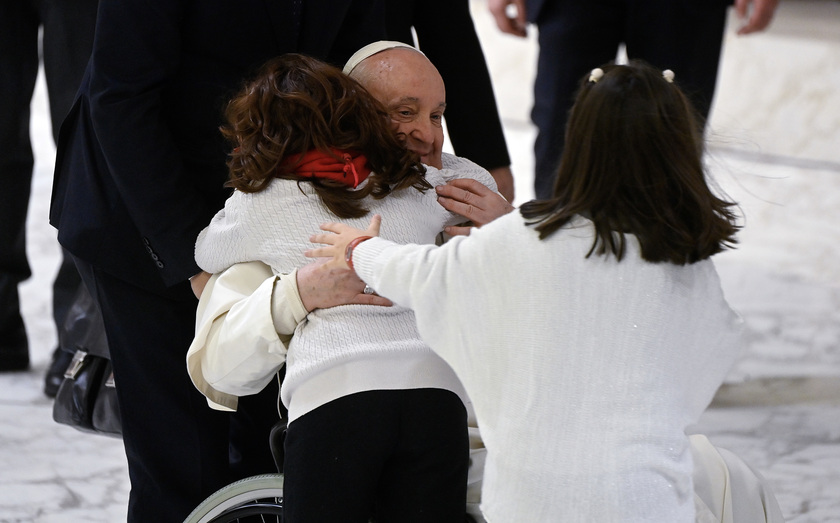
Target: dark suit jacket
x=533 y=8
x=140 y=166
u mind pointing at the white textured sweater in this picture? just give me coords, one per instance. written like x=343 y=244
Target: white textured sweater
x=351 y=348
x=584 y=372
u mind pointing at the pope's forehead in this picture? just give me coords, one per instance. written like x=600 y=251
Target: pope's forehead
x=402 y=60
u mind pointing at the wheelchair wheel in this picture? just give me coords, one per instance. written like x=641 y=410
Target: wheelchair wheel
x=258 y=498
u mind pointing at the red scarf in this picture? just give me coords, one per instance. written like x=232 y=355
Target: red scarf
x=351 y=170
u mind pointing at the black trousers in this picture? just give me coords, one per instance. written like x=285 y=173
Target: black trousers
x=68 y=27
x=575 y=37
x=179 y=450
x=400 y=456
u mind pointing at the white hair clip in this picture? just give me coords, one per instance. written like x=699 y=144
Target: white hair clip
x=668 y=75
x=596 y=75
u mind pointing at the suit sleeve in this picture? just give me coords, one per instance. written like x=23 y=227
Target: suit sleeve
x=136 y=56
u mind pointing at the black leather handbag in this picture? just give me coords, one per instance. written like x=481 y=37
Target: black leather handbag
x=87 y=397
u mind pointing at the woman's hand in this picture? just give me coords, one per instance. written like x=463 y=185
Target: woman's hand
x=337 y=241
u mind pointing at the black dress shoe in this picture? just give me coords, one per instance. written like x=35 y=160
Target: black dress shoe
x=14 y=350
x=55 y=374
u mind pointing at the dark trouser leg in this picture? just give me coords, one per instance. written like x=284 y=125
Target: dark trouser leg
x=684 y=36
x=574 y=38
x=19 y=63
x=67 y=42
x=401 y=455
x=65 y=288
x=68 y=27
x=14 y=347
x=68 y=39
x=177 y=447
x=426 y=477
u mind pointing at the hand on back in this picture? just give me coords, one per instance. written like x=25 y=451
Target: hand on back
x=323 y=284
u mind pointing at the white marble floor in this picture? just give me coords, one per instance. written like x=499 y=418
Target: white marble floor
x=774 y=134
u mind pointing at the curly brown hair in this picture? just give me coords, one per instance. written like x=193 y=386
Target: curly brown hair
x=297 y=104
x=633 y=164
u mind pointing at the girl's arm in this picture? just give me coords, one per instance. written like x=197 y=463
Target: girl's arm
x=436 y=282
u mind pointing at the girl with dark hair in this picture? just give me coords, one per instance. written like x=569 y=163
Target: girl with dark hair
x=636 y=166
x=590 y=330
x=377 y=425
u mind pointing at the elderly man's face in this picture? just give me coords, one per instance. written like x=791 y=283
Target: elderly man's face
x=412 y=90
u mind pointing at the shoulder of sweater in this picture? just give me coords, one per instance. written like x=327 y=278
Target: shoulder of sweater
x=510 y=221
x=451 y=161
x=455 y=167
x=513 y=228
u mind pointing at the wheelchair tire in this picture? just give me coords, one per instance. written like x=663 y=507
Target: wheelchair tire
x=255 y=496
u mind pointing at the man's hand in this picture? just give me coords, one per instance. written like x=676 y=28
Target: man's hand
x=508 y=23
x=198 y=282
x=759 y=16
x=321 y=287
x=472 y=200
x=504 y=181
x=333 y=267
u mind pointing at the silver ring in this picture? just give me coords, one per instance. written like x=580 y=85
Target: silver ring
x=368 y=290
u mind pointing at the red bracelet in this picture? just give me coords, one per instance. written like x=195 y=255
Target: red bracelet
x=348 y=252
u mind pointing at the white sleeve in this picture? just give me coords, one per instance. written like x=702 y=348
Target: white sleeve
x=433 y=281
x=245 y=319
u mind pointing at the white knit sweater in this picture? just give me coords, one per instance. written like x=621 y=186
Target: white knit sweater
x=351 y=348
x=584 y=372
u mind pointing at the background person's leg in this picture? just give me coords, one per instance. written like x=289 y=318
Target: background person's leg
x=684 y=36
x=68 y=28
x=19 y=66
x=574 y=38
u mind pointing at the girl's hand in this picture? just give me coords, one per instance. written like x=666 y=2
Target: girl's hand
x=337 y=241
